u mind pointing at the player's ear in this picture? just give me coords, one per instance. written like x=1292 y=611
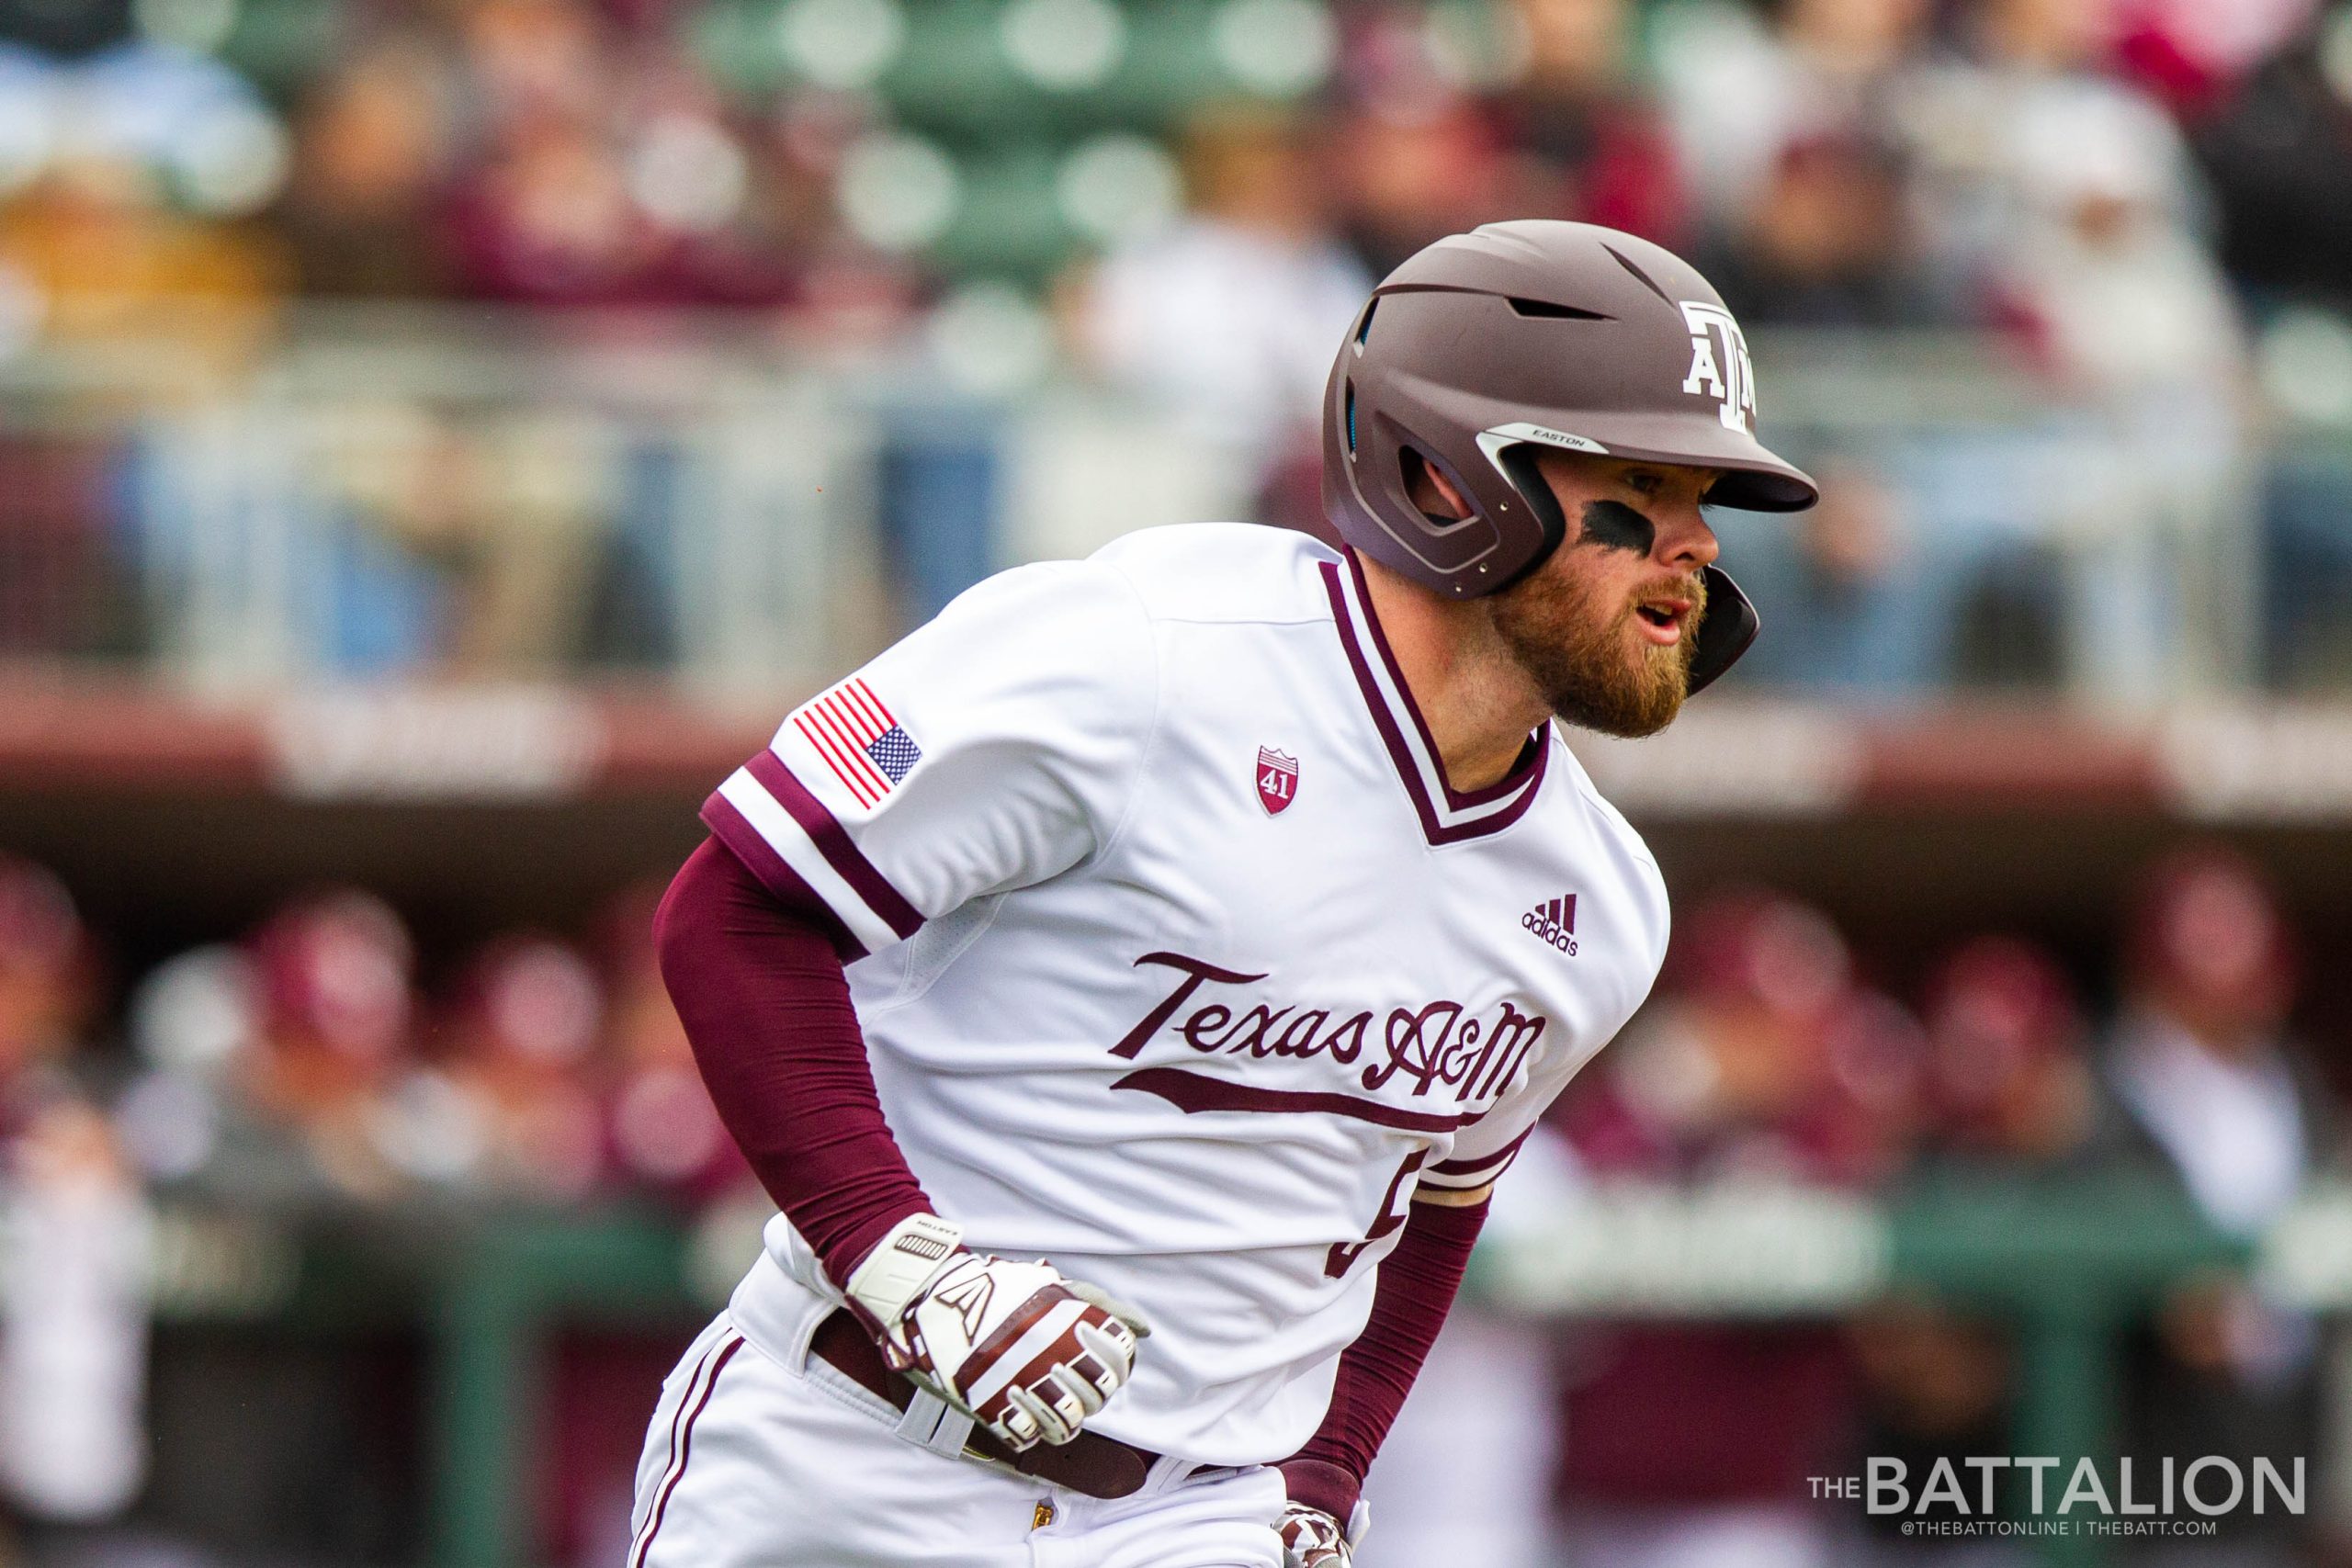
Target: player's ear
x=1431 y=490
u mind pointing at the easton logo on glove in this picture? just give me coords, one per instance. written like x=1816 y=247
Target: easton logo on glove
x=1025 y=1352
x=970 y=1297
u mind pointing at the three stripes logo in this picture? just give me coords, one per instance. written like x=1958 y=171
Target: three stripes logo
x=1555 y=920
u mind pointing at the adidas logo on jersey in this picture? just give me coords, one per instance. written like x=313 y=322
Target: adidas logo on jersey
x=1555 y=920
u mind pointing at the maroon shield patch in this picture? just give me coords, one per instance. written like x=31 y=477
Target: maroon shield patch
x=1277 y=780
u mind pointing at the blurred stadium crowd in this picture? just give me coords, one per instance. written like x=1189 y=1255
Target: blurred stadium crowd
x=305 y=1061
x=305 y=1067
x=1770 y=1054
x=1885 y=163
x=2134 y=209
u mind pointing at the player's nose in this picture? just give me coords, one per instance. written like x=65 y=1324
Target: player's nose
x=1685 y=541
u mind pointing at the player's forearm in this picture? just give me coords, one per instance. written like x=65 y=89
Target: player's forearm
x=760 y=990
x=1417 y=1282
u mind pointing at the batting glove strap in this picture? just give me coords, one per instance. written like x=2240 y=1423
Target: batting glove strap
x=909 y=1256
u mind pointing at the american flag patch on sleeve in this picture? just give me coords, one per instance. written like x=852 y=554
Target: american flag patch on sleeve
x=858 y=739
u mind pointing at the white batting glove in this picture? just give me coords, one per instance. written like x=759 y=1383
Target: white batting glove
x=1023 y=1351
x=1313 y=1538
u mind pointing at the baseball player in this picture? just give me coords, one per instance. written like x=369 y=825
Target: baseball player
x=1131 y=985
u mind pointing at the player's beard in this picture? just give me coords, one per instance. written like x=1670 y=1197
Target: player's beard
x=1575 y=648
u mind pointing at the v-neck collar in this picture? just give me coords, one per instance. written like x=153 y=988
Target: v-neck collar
x=1447 y=815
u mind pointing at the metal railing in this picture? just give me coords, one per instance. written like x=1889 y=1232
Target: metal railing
x=444 y=494
x=441 y=495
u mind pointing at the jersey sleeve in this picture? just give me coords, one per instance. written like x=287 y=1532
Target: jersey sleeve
x=991 y=749
x=1485 y=1149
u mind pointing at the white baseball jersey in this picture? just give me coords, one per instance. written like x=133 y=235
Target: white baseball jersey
x=1184 y=965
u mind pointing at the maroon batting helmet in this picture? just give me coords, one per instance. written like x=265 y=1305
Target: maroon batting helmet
x=1540 y=333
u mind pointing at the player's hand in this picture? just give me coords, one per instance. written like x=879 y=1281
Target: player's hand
x=1313 y=1538
x=1028 y=1353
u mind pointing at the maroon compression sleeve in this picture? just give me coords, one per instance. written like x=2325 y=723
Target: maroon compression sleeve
x=758 y=986
x=1417 y=1282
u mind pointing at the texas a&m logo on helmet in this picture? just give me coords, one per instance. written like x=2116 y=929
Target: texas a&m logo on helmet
x=1720 y=367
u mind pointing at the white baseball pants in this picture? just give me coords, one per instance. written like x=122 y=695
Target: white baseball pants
x=752 y=1463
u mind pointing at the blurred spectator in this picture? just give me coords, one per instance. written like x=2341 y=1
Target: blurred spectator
x=2020 y=143
x=519 y=1045
x=544 y=213
x=1589 y=143
x=1230 y=318
x=1762 y=1057
x=2201 y=1058
x=2199 y=1053
x=1860 y=603
x=2280 y=152
x=73 y=1304
x=374 y=145
x=463 y=540
x=91 y=253
x=337 y=1039
x=2008 y=1096
x=546 y=220
x=1741 y=94
x=2008 y=1085
x=608 y=175
x=665 y=1133
x=1935 y=1389
x=1826 y=243
x=2105 y=274
x=306 y=1063
x=195 y=1031
x=74 y=1318
x=1793 y=137
x=47 y=977
x=139 y=165
x=2192 y=52
x=1414 y=173
x=1762 y=1060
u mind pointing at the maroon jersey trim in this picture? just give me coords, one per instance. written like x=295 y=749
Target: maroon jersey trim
x=730 y=827
x=1521 y=773
x=1527 y=779
x=1189 y=1091
x=834 y=842
x=681 y=1444
x=1483 y=1166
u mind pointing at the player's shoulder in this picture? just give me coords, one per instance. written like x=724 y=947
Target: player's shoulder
x=1620 y=843
x=1224 y=573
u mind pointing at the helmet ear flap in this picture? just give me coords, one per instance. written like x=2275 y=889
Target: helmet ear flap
x=1526 y=476
x=1729 y=624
